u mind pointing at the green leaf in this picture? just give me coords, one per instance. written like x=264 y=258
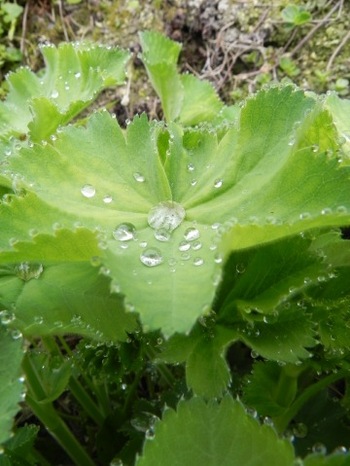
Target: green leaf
x=318 y=459
x=214 y=434
x=68 y=298
x=19 y=446
x=160 y=56
x=340 y=109
x=11 y=386
x=74 y=74
x=234 y=189
x=269 y=389
x=184 y=97
x=207 y=372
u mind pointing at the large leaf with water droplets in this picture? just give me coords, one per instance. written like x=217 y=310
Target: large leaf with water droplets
x=216 y=435
x=273 y=175
x=11 y=386
x=74 y=75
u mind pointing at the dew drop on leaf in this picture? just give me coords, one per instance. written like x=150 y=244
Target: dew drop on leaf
x=27 y=271
x=304 y=215
x=166 y=215
x=16 y=334
x=184 y=246
x=240 y=268
x=197 y=261
x=54 y=94
x=77 y=75
x=342 y=209
x=196 y=245
x=218 y=183
x=190 y=167
x=107 y=199
x=151 y=257
x=124 y=232
x=6 y=317
x=138 y=177
x=191 y=234
x=88 y=191
x=319 y=448
x=326 y=211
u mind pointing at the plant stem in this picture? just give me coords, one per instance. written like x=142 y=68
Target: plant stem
x=282 y=422
x=47 y=414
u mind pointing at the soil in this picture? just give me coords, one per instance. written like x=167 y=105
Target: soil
x=238 y=45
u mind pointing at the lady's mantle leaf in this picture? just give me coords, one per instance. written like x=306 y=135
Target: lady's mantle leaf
x=184 y=97
x=11 y=385
x=274 y=175
x=73 y=76
x=215 y=435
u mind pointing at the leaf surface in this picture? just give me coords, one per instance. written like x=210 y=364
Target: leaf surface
x=214 y=434
x=11 y=387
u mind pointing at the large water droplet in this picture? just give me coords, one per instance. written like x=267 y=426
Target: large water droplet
x=6 y=317
x=88 y=190
x=191 y=234
x=27 y=271
x=124 y=232
x=166 y=215
x=151 y=257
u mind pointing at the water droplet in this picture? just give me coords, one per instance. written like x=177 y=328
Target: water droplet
x=77 y=75
x=218 y=183
x=190 y=167
x=166 y=215
x=162 y=234
x=184 y=246
x=16 y=334
x=151 y=257
x=54 y=94
x=185 y=256
x=240 y=268
x=342 y=209
x=107 y=199
x=138 y=177
x=143 y=244
x=218 y=258
x=150 y=433
x=315 y=148
x=191 y=234
x=300 y=430
x=6 y=317
x=27 y=271
x=304 y=215
x=193 y=182
x=197 y=261
x=88 y=190
x=196 y=245
x=215 y=226
x=319 y=448
x=124 y=232
x=326 y=211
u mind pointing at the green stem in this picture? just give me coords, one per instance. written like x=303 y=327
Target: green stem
x=282 y=422
x=161 y=367
x=47 y=414
x=85 y=401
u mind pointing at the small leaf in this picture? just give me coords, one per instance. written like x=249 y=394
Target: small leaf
x=214 y=434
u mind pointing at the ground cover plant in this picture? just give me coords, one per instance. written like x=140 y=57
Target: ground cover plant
x=172 y=291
